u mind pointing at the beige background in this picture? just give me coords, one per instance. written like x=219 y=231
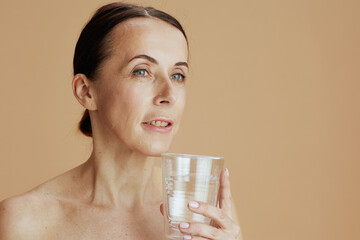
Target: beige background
x=274 y=88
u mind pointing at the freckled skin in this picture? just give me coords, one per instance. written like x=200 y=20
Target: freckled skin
x=123 y=97
x=116 y=194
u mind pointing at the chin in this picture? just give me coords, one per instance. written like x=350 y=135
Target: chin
x=155 y=150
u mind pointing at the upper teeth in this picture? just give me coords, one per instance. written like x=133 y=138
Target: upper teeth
x=159 y=123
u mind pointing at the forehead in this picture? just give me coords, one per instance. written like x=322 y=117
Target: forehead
x=150 y=36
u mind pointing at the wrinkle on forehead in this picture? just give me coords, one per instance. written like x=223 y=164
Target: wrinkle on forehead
x=127 y=30
x=143 y=35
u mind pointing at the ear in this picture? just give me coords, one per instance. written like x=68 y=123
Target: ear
x=81 y=90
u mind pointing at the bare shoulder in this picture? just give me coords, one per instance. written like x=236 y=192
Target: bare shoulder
x=23 y=216
x=34 y=214
x=13 y=218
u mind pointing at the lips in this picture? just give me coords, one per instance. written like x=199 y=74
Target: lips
x=162 y=125
x=159 y=123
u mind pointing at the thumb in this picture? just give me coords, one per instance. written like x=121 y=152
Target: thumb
x=162 y=209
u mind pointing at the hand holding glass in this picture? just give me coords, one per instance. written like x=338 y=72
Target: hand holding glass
x=186 y=178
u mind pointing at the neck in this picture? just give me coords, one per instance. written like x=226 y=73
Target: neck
x=121 y=178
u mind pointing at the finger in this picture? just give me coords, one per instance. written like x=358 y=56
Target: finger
x=225 y=193
x=201 y=230
x=214 y=213
x=162 y=209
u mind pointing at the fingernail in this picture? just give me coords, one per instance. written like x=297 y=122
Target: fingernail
x=184 y=225
x=187 y=237
x=194 y=204
x=227 y=172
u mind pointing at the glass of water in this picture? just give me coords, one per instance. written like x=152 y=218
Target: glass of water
x=185 y=178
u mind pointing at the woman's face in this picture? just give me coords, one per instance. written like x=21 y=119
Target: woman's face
x=142 y=85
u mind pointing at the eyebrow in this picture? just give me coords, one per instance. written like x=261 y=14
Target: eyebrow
x=153 y=60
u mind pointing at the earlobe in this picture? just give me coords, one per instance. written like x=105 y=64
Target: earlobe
x=81 y=90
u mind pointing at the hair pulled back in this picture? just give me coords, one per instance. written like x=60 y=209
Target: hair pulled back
x=92 y=47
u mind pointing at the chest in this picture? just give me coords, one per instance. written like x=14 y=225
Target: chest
x=89 y=224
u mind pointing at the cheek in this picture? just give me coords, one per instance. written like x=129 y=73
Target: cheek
x=118 y=105
x=180 y=107
x=131 y=104
x=182 y=102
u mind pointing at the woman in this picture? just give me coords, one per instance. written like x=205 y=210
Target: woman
x=130 y=68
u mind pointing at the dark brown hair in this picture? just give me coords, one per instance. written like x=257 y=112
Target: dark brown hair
x=92 y=47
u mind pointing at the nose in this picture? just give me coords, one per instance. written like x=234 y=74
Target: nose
x=165 y=92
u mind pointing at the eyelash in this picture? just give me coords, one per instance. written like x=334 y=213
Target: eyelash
x=139 y=70
x=182 y=77
x=135 y=73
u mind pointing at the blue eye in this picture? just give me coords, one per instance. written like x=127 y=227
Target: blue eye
x=141 y=72
x=178 y=77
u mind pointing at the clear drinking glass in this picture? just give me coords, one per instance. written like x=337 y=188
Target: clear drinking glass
x=185 y=178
